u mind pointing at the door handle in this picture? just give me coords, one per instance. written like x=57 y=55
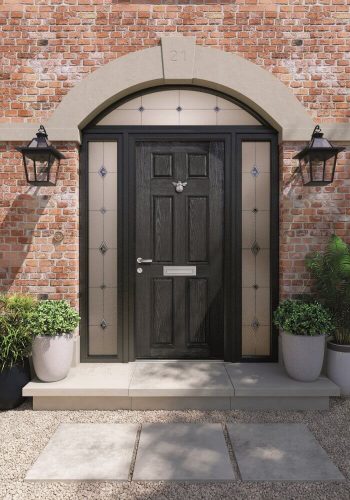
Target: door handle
x=140 y=260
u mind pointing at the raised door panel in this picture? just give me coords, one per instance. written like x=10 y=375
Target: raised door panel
x=163 y=321
x=162 y=165
x=198 y=226
x=197 y=311
x=197 y=165
x=163 y=228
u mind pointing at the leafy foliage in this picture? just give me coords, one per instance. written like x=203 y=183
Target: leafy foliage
x=302 y=318
x=15 y=333
x=331 y=273
x=53 y=317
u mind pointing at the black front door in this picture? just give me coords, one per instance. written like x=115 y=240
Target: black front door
x=179 y=227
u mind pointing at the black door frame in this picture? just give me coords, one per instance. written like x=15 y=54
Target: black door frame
x=127 y=137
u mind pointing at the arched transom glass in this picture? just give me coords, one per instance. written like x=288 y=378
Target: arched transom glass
x=179 y=107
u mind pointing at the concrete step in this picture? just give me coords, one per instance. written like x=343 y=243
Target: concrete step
x=172 y=385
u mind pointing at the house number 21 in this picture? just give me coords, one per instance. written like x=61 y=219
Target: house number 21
x=177 y=55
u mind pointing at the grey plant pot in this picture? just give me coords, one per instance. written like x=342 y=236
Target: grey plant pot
x=52 y=356
x=338 y=366
x=303 y=356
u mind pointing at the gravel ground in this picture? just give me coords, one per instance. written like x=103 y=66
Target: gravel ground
x=24 y=433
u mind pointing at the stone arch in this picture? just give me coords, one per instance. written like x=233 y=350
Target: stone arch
x=179 y=61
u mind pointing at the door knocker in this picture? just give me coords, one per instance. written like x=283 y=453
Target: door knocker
x=179 y=186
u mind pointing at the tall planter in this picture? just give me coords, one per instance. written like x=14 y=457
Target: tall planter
x=12 y=381
x=338 y=366
x=303 y=355
x=52 y=356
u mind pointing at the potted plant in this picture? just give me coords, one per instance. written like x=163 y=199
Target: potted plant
x=52 y=325
x=15 y=347
x=331 y=273
x=304 y=326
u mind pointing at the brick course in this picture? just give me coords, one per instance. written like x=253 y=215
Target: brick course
x=49 y=47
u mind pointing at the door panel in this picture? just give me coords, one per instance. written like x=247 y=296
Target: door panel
x=163 y=299
x=163 y=229
x=179 y=317
x=198 y=228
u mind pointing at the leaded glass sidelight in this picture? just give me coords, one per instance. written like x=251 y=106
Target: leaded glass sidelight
x=256 y=249
x=102 y=248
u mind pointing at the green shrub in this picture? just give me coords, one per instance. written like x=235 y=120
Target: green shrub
x=53 y=317
x=331 y=273
x=303 y=318
x=15 y=332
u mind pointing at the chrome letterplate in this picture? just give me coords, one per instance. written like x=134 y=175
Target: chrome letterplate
x=179 y=270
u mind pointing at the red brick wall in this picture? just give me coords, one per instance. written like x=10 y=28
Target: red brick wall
x=30 y=259
x=48 y=47
x=308 y=216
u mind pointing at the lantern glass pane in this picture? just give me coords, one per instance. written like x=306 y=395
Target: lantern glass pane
x=329 y=169
x=317 y=169
x=305 y=169
x=42 y=171
x=30 y=169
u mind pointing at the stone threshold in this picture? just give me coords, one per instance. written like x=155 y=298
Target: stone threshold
x=177 y=385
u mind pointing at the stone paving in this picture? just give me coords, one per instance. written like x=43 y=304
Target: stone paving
x=87 y=451
x=280 y=452
x=183 y=452
x=24 y=433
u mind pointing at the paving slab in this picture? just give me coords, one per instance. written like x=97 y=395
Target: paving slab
x=271 y=379
x=280 y=452
x=180 y=379
x=87 y=379
x=87 y=452
x=182 y=452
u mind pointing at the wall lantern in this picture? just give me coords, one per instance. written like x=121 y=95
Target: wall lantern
x=318 y=160
x=41 y=160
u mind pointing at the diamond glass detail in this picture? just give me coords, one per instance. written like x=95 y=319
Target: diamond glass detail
x=103 y=210
x=179 y=108
x=103 y=248
x=255 y=171
x=141 y=109
x=103 y=286
x=103 y=324
x=103 y=171
x=255 y=210
x=217 y=109
x=255 y=286
x=255 y=324
x=255 y=248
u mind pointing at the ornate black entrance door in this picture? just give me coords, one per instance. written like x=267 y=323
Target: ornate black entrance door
x=179 y=249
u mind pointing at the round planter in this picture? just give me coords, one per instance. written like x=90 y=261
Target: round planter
x=338 y=366
x=52 y=356
x=12 y=381
x=303 y=356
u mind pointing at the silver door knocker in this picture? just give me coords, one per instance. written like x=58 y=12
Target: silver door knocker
x=179 y=186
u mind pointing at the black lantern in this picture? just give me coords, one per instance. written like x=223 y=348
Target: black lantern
x=318 y=160
x=41 y=160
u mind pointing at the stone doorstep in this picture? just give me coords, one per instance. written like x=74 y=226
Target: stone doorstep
x=180 y=385
x=177 y=403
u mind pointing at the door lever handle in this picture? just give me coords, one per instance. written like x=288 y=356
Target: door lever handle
x=140 y=260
